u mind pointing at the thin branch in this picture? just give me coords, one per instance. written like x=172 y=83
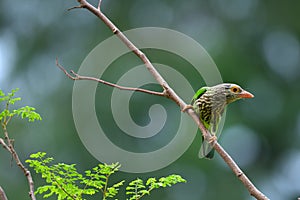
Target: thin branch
x=4 y=145
x=240 y=174
x=169 y=92
x=75 y=7
x=99 y=5
x=2 y=194
x=74 y=76
x=10 y=148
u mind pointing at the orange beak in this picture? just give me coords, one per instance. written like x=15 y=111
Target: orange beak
x=245 y=94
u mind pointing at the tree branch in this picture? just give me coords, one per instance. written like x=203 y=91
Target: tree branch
x=2 y=194
x=99 y=5
x=168 y=92
x=74 y=76
x=5 y=146
x=10 y=148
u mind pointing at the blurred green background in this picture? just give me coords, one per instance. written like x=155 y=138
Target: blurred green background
x=254 y=43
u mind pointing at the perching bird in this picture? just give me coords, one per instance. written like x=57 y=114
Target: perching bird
x=209 y=104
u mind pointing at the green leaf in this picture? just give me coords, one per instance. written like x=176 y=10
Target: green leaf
x=1 y=93
x=113 y=191
x=151 y=181
x=28 y=112
x=38 y=155
x=90 y=191
x=12 y=101
x=107 y=169
x=4 y=113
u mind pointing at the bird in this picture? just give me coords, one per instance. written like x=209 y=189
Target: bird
x=209 y=104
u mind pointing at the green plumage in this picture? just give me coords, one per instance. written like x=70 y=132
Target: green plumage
x=209 y=103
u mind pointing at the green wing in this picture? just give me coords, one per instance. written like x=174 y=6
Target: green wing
x=198 y=94
x=206 y=149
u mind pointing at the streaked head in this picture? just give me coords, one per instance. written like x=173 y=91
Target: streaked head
x=233 y=92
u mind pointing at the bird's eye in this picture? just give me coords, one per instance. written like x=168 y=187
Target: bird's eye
x=235 y=89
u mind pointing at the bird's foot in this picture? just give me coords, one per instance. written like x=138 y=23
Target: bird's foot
x=185 y=108
x=213 y=139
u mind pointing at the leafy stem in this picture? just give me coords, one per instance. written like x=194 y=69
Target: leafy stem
x=67 y=183
x=5 y=116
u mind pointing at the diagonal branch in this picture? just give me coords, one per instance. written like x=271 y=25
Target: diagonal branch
x=2 y=194
x=5 y=145
x=10 y=148
x=168 y=92
x=74 y=76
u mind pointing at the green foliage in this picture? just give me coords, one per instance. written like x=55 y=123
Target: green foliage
x=65 y=182
x=98 y=178
x=24 y=112
x=137 y=189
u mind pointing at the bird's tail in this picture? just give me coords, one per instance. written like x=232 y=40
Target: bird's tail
x=206 y=150
x=215 y=128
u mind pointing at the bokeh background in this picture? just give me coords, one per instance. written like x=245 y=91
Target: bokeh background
x=254 y=43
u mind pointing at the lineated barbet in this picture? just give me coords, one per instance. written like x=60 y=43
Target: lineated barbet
x=209 y=104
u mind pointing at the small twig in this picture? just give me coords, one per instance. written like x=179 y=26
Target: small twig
x=74 y=76
x=2 y=194
x=10 y=148
x=169 y=92
x=99 y=5
x=75 y=7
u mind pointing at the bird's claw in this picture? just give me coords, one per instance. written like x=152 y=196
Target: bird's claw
x=213 y=139
x=185 y=108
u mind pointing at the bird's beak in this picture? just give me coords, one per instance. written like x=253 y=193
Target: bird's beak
x=245 y=94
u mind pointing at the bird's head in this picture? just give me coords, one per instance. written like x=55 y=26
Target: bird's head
x=234 y=92
x=231 y=92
